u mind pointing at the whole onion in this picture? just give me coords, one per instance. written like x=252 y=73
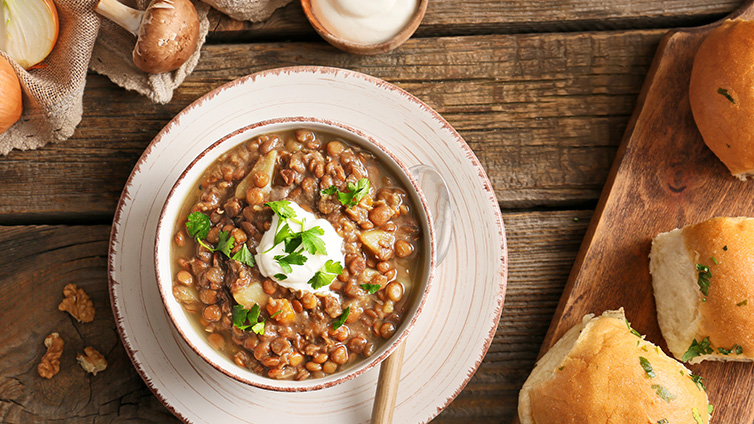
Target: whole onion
x=10 y=100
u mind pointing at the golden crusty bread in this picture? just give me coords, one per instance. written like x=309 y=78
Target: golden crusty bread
x=595 y=374
x=724 y=316
x=721 y=94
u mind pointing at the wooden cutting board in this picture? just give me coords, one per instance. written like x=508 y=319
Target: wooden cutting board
x=664 y=177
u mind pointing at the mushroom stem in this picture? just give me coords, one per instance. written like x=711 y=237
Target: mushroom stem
x=126 y=17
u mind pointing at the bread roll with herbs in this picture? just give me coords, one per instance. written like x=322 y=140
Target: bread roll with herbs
x=602 y=371
x=703 y=280
x=722 y=97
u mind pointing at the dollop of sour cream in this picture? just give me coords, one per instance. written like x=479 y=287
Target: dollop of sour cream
x=364 y=21
x=299 y=278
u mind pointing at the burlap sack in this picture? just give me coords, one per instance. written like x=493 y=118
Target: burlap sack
x=53 y=93
x=112 y=56
x=248 y=10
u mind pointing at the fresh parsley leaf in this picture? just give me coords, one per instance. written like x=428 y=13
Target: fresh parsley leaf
x=326 y=274
x=239 y=316
x=371 y=288
x=244 y=256
x=699 y=381
x=647 y=366
x=282 y=208
x=198 y=225
x=663 y=393
x=253 y=315
x=703 y=280
x=284 y=233
x=311 y=242
x=330 y=190
x=280 y=277
x=710 y=409
x=332 y=267
x=743 y=302
x=341 y=319
x=353 y=196
x=285 y=261
x=697 y=349
x=697 y=417
x=736 y=348
x=320 y=279
x=225 y=243
x=211 y=249
x=723 y=92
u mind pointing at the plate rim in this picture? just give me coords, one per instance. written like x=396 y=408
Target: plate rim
x=379 y=83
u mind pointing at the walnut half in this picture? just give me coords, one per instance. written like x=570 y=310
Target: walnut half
x=50 y=363
x=93 y=362
x=77 y=303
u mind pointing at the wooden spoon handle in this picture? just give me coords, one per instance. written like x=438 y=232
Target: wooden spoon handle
x=387 y=387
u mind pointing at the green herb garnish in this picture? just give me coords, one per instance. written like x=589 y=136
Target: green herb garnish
x=353 y=196
x=280 y=277
x=699 y=381
x=703 y=280
x=743 y=302
x=647 y=366
x=634 y=332
x=697 y=349
x=663 y=421
x=710 y=409
x=326 y=274
x=724 y=92
x=311 y=242
x=198 y=225
x=697 y=417
x=244 y=256
x=736 y=348
x=663 y=393
x=282 y=208
x=561 y=368
x=715 y=261
x=242 y=315
x=225 y=243
x=341 y=319
x=285 y=261
x=371 y=288
x=725 y=247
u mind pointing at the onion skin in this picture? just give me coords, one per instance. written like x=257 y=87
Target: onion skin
x=10 y=101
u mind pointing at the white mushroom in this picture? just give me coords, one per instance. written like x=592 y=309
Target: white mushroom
x=167 y=32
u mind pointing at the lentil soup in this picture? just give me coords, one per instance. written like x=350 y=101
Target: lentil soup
x=255 y=258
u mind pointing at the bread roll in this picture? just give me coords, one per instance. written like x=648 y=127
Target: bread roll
x=602 y=372
x=721 y=94
x=703 y=280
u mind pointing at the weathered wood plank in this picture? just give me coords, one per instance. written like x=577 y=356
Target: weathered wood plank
x=544 y=113
x=40 y=260
x=452 y=17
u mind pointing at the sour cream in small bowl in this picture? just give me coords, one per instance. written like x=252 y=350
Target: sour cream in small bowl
x=365 y=27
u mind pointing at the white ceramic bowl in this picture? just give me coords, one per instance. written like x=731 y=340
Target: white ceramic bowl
x=166 y=229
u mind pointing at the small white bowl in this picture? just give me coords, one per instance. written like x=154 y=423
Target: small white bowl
x=166 y=231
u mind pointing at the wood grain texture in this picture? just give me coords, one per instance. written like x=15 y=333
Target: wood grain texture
x=544 y=114
x=452 y=17
x=38 y=262
x=43 y=259
x=664 y=178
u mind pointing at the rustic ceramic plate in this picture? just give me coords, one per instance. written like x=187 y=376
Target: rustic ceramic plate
x=461 y=314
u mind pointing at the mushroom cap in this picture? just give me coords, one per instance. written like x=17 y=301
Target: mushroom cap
x=168 y=36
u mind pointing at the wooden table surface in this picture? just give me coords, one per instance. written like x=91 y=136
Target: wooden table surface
x=541 y=90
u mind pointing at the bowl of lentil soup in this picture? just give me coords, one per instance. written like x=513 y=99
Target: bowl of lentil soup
x=295 y=254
